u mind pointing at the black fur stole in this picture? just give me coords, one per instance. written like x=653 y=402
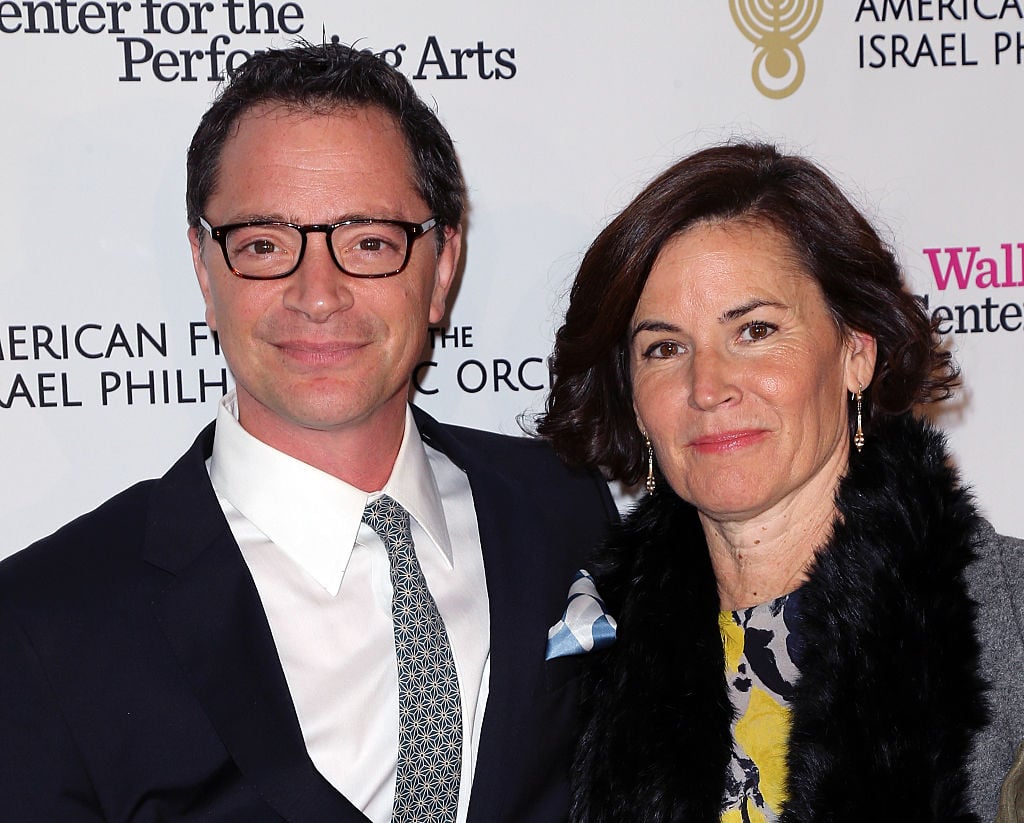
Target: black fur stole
x=889 y=696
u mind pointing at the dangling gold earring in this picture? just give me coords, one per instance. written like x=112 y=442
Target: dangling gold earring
x=858 y=437
x=650 y=485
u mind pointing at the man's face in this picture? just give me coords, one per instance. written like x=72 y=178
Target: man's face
x=321 y=350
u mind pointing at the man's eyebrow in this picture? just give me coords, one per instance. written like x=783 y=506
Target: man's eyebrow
x=278 y=217
x=254 y=217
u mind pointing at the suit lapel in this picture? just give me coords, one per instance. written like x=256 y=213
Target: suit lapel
x=214 y=621
x=518 y=635
x=516 y=580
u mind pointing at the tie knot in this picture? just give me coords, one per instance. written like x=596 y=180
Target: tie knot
x=385 y=515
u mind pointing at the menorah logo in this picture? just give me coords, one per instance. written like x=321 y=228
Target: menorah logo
x=776 y=28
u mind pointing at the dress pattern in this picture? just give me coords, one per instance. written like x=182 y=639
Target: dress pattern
x=761 y=650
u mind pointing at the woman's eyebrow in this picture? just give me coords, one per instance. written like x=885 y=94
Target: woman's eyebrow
x=653 y=325
x=727 y=315
x=746 y=308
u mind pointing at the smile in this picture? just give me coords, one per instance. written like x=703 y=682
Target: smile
x=726 y=442
x=318 y=353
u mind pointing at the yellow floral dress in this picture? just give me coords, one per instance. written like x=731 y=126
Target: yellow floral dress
x=759 y=661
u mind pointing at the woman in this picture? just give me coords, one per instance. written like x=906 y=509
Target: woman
x=740 y=337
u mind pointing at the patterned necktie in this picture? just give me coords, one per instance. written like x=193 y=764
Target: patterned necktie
x=429 y=707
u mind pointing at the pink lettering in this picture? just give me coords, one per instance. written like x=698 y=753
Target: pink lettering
x=954 y=265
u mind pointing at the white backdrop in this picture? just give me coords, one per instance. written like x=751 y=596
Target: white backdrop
x=561 y=111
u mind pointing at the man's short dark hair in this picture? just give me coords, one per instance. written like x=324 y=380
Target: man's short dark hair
x=319 y=79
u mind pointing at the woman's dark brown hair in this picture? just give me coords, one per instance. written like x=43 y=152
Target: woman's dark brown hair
x=590 y=418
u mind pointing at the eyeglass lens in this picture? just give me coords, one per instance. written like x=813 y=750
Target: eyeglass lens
x=273 y=250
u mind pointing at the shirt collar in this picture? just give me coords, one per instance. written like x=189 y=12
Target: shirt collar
x=312 y=516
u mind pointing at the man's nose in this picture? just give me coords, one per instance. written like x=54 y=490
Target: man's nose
x=318 y=288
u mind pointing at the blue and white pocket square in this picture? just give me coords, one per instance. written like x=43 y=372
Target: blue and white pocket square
x=585 y=626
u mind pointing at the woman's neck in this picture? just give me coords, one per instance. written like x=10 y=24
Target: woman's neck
x=764 y=557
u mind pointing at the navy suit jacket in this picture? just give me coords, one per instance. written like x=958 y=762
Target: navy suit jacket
x=139 y=680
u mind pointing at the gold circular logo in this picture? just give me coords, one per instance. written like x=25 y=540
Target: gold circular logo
x=776 y=28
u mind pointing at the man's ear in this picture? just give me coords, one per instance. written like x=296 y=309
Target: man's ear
x=444 y=273
x=202 y=275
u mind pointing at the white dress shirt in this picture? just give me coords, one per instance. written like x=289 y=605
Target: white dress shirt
x=325 y=583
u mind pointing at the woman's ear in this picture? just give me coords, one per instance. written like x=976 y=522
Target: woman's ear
x=861 y=352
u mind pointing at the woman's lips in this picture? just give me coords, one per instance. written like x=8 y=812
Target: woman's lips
x=724 y=442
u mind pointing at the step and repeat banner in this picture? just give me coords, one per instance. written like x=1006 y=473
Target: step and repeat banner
x=561 y=111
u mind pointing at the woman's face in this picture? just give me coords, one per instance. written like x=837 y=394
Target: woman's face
x=740 y=373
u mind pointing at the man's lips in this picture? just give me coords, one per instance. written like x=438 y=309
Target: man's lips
x=723 y=442
x=318 y=352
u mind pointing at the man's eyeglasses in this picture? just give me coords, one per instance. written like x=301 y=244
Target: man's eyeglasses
x=266 y=250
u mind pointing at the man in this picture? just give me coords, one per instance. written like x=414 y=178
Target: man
x=252 y=637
